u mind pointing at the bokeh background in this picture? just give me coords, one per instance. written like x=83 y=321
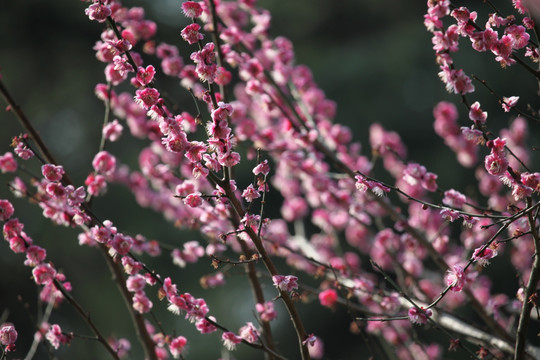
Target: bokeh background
x=373 y=57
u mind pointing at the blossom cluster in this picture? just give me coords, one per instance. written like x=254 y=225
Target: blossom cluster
x=258 y=109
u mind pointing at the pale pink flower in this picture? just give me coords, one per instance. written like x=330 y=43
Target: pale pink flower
x=192 y=9
x=230 y=340
x=419 y=316
x=7 y=163
x=285 y=282
x=177 y=345
x=6 y=210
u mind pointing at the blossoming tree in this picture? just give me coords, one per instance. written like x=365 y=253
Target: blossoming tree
x=401 y=256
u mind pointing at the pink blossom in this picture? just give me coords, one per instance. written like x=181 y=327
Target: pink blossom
x=310 y=340
x=316 y=350
x=43 y=274
x=146 y=97
x=262 y=168
x=191 y=9
x=509 y=102
x=95 y=184
x=122 y=65
x=23 y=151
x=454 y=198
x=135 y=283
x=6 y=210
x=141 y=303
x=496 y=164
x=194 y=199
x=455 y=278
x=363 y=184
x=483 y=256
x=213 y=280
x=131 y=266
x=476 y=114
x=223 y=76
x=266 y=311
x=145 y=76
x=419 y=316
x=449 y=214
x=294 y=208
x=519 y=35
x=204 y=326
x=222 y=112
x=285 y=282
x=7 y=163
x=194 y=151
x=98 y=12
x=429 y=181
x=121 y=244
x=177 y=345
x=121 y=346
x=56 y=337
x=191 y=34
x=52 y=172
x=104 y=163
x=34 y=255
x=172 y=65
x=230 y=340
x=250 y=193
x=249 y=333
x=8 y=336
x=328 y=298
x=518 y=4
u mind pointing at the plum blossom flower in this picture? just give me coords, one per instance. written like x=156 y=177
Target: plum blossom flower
x=266 y=311
x=104 y=163
x=7 y=163
x=230 y=340
x=204 y=326
x=509 y=102
x=192 y=9
x=250 y=193
x=482 y=255
x=285 y=282
x=455 y=278
x=23 y=151
x=262 y=168
x=8 y=336
x=249 y=333
x=52 y=172
x=454 y=198
x=191 y=33
x=98 y=12
x=476 y=114
x=194 y=199
x=56 y=337
x=177 y=345
x=310 y=340
x=43 y=274
x=449 y=214
x=6 y=210
x=34 y=255
x=145 y=75
x=141 y=303
x=328 y=298
x=363 y=184
x=112 y=131
x=146 y=97
x=419 y=316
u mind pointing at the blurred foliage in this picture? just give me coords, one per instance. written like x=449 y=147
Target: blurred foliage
x=374 y=58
